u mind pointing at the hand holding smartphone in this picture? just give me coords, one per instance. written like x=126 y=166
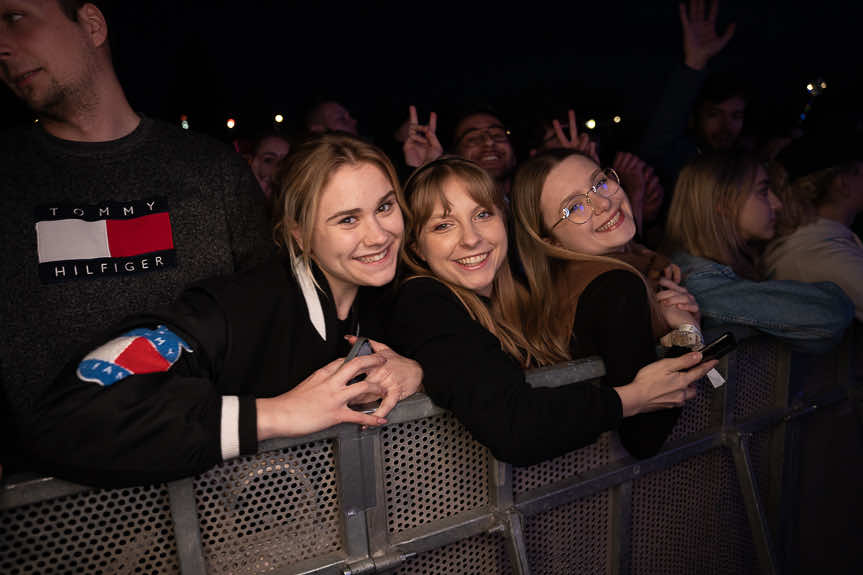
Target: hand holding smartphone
x=361 y=347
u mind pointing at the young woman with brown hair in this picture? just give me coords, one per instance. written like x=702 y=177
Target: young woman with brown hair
x=462 y=316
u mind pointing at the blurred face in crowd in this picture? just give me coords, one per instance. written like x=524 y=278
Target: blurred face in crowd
x=333 y=117
x=47 y=60
x=483 y=139
x=719 y=124
x=264 y=162
x=599 y=217
x=757 y=217
x=358 y=229
x=463 y=242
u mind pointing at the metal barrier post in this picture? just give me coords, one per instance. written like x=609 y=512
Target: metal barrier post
x=187 y=526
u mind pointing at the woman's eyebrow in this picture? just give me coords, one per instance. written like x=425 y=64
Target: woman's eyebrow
x=343 y=213
x=355 y=211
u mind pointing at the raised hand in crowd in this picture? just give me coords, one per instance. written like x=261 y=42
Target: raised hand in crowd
x=422 y=145
x=575 y=141
x=700 y=40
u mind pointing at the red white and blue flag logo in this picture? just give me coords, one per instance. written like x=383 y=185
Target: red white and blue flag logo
x=75 y=242
x=138 y=351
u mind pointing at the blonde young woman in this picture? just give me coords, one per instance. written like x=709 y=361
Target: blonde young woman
x=820 y=181
x=722 y=214
x=461 y=315
x=593 y=292
x=247 y=357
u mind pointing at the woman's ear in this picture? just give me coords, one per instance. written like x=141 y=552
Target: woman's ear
x=297 y=234
x=552 y=241
x=415 y=247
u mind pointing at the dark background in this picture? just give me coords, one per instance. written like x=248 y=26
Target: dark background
x=251 y=60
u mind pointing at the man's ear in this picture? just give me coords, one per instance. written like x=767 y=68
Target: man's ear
x=94 y=21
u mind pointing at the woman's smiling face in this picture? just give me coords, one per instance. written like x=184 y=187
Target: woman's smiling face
x=358 y=229
x=610 y=225
x=463 y=242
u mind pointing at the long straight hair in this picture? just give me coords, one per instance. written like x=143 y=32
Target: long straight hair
x=425 y=191
x=703 y=219
x=548 y=321
x=303 y=175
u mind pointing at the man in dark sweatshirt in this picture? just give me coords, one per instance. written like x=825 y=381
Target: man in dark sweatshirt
x=104 y=212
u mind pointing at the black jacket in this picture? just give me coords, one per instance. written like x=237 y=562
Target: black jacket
x=249 y=335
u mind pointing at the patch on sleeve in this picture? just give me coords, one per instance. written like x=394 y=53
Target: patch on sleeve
x=138 y=351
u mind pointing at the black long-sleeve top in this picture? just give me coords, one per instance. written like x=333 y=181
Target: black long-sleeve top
x=612 y=320
x=466 y=371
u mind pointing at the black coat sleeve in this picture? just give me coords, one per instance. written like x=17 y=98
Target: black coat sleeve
x=466 y=371
x=612 y=320
x=145 y=428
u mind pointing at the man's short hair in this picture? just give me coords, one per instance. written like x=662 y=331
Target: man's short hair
x=722 y=86
x=70 y=7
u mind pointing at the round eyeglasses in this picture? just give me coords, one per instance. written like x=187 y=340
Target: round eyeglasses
x=578 y=209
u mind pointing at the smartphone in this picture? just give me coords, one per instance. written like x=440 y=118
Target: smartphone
x=360 y=347
x=718 y=347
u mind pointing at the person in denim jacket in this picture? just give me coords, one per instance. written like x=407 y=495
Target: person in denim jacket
x=722 y=212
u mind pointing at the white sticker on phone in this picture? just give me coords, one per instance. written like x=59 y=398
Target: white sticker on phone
x=716 y=379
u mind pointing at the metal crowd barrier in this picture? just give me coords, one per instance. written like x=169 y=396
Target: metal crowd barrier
x=419 y=496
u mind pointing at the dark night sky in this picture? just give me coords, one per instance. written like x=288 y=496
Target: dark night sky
x=250 y=60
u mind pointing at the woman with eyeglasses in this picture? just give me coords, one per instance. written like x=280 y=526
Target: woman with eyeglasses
x=463 y=316
x=722 y=214
x=592 y=290
x=252 y=356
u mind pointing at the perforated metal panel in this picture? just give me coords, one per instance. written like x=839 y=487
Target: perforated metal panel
x=264 y=512
x=757 y=367
x=566 y=466
x=432 y=470
x=690 y=519
x=481 y=555
x=572 y=538
x=697 y=414
x=102 y=532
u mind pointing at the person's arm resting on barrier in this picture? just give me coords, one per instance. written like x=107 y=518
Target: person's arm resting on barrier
x=145 y=406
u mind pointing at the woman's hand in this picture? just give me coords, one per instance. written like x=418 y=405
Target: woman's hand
x=677 y=304
x=397 y=378
x=663 y=384
x=421 y=145
x=321 y=400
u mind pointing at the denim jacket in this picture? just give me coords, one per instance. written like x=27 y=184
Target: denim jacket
x=811 y=316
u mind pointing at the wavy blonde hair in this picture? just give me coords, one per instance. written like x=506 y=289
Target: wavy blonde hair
x=425 y=191
x=802 y=197
x=544 y=261
x=703 y=219
x=302 y=176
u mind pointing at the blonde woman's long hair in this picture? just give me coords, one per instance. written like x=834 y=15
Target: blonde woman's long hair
x=704 y=213
x=544 y=261
x=425 y=191
x=301 y=178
